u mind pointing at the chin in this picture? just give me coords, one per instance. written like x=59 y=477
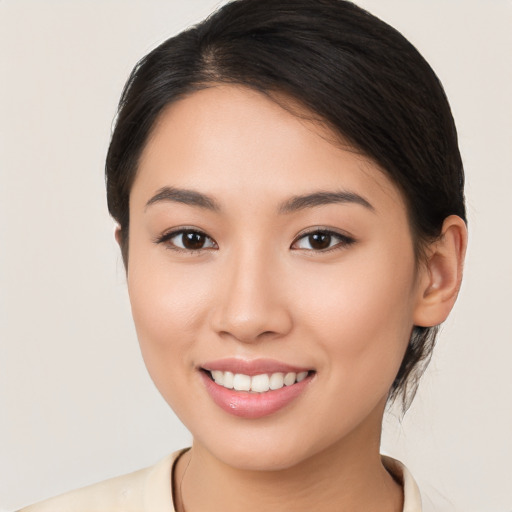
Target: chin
x=269 y=448
x=260 y=458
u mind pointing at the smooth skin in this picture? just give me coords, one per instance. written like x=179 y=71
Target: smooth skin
x=255 y=284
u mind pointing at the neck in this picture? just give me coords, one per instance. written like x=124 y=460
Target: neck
x=348 y=476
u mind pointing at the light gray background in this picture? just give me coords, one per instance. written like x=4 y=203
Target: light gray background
x=76 y=404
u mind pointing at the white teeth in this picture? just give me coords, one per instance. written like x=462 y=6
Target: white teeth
x=242 y=382
x=228 y=380
x=289 y=378
x=258 y=383
x=218 y=377
x=301 y=376
x=276 y=380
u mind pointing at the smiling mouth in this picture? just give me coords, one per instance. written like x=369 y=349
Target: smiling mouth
x=260 y=383
x=256 y=388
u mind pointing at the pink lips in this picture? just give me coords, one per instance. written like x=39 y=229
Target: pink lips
x=252 y=405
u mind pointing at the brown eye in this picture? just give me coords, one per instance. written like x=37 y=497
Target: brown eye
x=187 y=240
x=319 y=241
x=322 y=240
x=192 y=240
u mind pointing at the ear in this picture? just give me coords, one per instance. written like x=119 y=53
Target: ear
x=441 y=275
x=118 y=235
x=122 y=242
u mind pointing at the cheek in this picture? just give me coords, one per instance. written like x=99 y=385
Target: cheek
x=168 y=305
x=163 y=302
x=362 y=314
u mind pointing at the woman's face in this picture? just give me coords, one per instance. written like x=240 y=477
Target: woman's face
x=257 y=247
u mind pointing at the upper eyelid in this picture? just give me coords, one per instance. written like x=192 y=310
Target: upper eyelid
x=171 y=233
x=328 y=231
x=165 y=240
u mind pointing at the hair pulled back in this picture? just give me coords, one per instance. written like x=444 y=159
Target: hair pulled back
x=351 y=70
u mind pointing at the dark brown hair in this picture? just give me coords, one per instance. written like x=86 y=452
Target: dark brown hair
x=357 y=74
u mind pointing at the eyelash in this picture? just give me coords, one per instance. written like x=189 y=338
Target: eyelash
x=343 y=240
x=167 y=237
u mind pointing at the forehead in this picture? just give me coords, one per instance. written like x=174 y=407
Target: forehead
x=240 y=145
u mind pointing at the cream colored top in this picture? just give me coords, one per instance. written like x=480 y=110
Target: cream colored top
x=149 y=490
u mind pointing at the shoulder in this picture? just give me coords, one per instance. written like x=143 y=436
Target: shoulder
x=121 y=493
x=412 y=497
x=147 y=489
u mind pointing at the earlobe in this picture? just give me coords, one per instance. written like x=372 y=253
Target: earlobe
x=121 y=239
x=441 y=274
x=117 y=235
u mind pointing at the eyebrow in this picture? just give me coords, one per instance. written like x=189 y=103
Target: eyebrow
x=296 y=203
x=185 y=196
x=322 y=198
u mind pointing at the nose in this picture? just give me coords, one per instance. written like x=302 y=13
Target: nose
x=251 y=301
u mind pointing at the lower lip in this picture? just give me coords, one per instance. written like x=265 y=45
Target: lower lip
x=253 y=405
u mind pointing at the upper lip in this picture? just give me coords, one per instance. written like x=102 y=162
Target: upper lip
x=252 y=367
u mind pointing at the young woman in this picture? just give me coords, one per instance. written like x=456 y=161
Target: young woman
x=289 y=196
